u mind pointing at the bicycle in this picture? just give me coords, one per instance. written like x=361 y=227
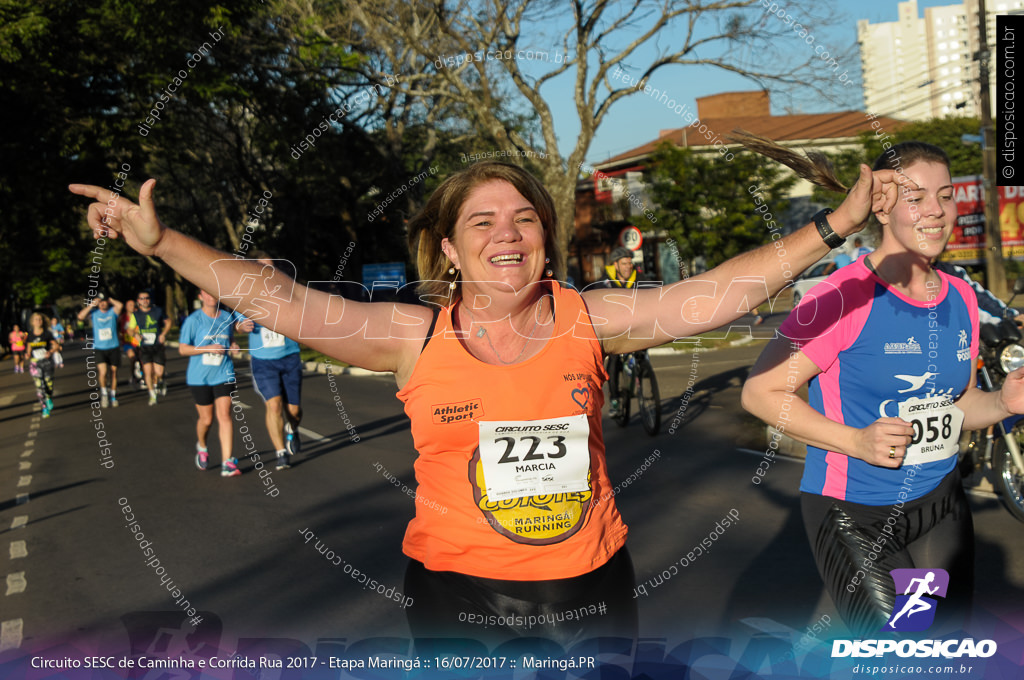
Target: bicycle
x=637 y=378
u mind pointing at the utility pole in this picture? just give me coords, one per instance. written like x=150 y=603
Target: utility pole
x=995 y=271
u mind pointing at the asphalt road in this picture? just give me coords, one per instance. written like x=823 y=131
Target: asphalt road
x=77 y=576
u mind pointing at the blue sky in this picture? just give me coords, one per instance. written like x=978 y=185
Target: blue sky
x=636 y=120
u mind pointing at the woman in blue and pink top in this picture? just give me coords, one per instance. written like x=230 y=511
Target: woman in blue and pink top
x=887 y=345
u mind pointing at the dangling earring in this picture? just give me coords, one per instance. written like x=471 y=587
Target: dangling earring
x=548 y=272
x=452 y=270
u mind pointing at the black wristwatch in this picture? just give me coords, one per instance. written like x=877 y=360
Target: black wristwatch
x=831 y=238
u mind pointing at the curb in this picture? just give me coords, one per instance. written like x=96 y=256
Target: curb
x=313 y=366
x=666 y=351
x=321 y=367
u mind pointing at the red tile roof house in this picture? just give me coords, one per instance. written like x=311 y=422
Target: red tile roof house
x=600 y=218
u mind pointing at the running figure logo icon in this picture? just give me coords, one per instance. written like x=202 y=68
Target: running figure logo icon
x=914 y=610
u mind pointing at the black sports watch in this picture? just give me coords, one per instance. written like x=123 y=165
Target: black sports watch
x=830 y=237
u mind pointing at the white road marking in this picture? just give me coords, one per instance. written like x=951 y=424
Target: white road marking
x=27 y=453
x=16 y=583
x=18 y=550
x=19 y=522
x=32 y=434
x=315 y=436
x=7 y=399
x=10 y=634
x=24 y=480
x=24 y=465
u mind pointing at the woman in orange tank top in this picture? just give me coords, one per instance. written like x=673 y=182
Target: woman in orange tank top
x=515 y=533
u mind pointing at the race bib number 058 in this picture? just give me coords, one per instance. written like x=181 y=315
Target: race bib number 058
x=937 y=422
x=535 y=457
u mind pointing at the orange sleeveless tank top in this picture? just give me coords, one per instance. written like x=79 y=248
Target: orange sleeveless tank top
x=511 y=471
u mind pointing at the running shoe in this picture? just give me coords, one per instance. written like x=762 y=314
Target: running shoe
x=104 y=401
x=283 y=460
x=113 y=400
x=152 y=398
x=162 y=387
x=46 y=412
x=49 y=404
x=229 y=468
x=291 y=441
x=202 y=458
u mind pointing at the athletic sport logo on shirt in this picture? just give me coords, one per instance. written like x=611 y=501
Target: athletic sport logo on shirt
x=915 y=608
x=911 y=346
x=457 y=412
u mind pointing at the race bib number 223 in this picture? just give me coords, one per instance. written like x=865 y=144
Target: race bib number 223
x=535 y=457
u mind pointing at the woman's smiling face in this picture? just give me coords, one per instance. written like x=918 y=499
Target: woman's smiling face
x=923 y=218
x=498 y=237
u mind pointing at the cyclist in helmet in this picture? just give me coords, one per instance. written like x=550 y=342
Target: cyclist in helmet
x=619 y=274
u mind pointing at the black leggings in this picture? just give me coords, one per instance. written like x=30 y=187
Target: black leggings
x=934 y=531
x=566 y=611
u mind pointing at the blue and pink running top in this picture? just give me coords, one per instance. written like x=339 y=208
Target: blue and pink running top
x=883 y=354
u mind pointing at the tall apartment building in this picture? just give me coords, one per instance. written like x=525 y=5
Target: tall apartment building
x=919 y=68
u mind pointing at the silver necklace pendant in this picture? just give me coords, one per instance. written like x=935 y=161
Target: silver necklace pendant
x=482 y=333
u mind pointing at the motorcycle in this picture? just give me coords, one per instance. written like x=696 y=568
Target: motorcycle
x=638 y=379
x=998 y=448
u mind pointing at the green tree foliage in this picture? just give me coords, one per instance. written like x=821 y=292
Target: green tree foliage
x=964 y=159
x=503 y=60
x=705 y=202
x=215 y=100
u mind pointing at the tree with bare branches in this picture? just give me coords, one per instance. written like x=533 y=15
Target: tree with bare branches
x=500 y=56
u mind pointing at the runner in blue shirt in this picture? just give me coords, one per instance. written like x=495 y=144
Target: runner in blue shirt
x=103 y=314
x=206 y=337
x=277 y=376
x=57 y=331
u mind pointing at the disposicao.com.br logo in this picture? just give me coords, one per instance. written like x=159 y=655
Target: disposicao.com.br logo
x=914 y=611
